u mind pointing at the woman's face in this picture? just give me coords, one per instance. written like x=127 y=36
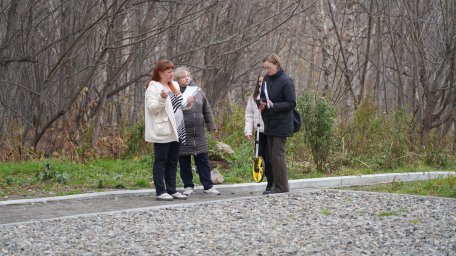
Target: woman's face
x=260 y=81
x=185 y=79
x=166 y=76
x=270 y=68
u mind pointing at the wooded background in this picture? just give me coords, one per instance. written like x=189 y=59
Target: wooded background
x=69 y=65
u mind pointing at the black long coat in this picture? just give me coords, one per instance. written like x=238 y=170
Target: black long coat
x=278 y=121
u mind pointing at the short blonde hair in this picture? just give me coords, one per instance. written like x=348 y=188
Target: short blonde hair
x=272 y=58
x=180 y=71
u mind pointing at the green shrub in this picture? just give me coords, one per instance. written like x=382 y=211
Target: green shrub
x=437 y=159
x=136 y=139
x=231 y=130
x=375 y=141
x=318 y=121
x=10 y=180
x=48 y=174
x=61 y=177
x=100 y=184
x=119 y=186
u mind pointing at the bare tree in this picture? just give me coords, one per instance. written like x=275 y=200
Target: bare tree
x=69 y=67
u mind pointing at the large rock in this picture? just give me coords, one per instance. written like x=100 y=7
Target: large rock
x=216 y=177
x=224 y=148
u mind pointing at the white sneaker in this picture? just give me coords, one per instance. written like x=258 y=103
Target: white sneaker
x=178 y=195
x=164 y=197
x=188 y=191
x=212 y=191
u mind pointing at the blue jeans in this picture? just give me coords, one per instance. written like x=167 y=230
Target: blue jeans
x=165 y=167
x=202 y=166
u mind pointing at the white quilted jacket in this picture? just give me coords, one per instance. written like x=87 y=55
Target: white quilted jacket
x=252 y=113
x=160 y=122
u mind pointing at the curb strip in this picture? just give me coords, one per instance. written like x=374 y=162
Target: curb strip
x=328 y=182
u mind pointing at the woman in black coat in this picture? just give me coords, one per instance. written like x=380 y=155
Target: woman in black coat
x=278 y=99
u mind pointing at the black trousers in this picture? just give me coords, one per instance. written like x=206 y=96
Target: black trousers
x=277 y=149
x=165 y=167
x=263 y=151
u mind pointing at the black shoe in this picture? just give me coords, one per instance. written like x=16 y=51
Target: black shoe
x=276 y=191
x=269 y=190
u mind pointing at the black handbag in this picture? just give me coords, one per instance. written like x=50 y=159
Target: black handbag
x=297 y=121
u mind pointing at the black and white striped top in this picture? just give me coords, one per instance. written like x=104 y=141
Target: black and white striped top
x=177 y=102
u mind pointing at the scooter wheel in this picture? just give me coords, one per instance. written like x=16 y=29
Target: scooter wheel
x=258 y=169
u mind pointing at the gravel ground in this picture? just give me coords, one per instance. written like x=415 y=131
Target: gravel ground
x=323 y=222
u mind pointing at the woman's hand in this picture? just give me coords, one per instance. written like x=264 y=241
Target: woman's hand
x=190 y=100
x=249 y=137
x=262 y=105
x=163 y=94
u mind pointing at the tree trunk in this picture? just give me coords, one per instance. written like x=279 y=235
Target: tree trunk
x=367 y=52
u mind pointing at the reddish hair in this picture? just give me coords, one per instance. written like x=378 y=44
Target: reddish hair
x=161 y=66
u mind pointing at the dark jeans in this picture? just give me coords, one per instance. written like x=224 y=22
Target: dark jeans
x=165 y=167
x=279 y=162
x=263 y=151
x=202 y=166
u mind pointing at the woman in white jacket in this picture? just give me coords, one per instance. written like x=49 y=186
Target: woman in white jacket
x=252 y=117
x=164 y=126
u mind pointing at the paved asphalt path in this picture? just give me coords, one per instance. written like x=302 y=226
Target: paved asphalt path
x=87 y=204
x=37 y=211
